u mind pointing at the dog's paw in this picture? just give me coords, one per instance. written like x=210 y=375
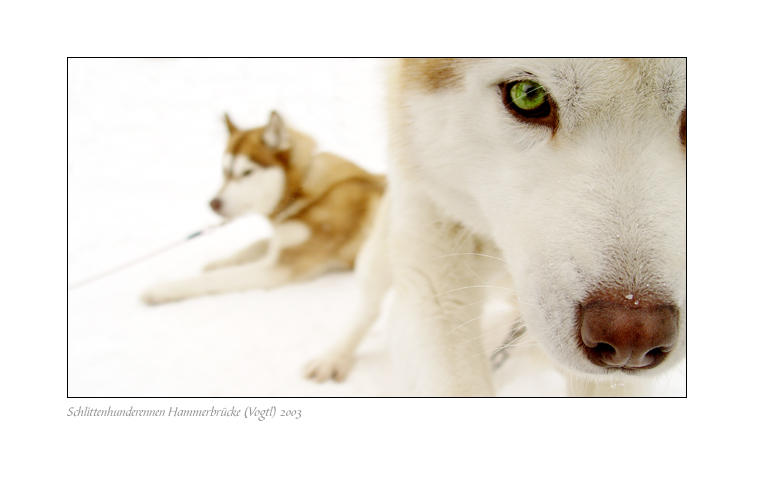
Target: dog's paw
x=334 y=365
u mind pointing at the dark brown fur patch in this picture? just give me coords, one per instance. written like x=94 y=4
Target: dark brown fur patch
x=293 y=186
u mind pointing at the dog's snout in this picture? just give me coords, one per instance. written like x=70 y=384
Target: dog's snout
x=627 y=333
x=216 y=204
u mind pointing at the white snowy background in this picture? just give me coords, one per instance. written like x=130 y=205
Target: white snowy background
x=145 y=140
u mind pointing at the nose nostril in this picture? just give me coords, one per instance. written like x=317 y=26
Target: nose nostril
x=604 y=350
x=656 y=355
x=606 y=355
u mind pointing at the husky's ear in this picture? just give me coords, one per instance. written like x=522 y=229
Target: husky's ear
x=276 y=135
x=230 y=126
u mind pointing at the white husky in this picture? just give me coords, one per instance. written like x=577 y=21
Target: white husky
x=567 y=178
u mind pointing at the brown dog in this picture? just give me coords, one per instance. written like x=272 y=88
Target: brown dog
x=321 y=207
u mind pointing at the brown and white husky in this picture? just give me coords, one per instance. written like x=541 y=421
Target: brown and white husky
x=320 y=205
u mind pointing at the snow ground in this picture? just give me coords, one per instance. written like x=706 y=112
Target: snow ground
x=145 y=143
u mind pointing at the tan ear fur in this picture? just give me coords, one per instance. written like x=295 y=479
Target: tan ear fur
x=230 y=126
x=276 y=135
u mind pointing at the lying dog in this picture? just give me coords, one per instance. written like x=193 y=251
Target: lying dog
x=321 y=208
x=565 y=178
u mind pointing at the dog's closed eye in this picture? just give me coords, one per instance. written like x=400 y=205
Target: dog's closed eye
x=246 y=173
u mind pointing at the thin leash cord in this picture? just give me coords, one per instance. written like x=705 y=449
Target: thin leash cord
x=134 y=262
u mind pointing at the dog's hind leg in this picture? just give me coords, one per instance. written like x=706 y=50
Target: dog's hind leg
x=374 y=280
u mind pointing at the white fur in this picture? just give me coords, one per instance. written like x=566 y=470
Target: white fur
x=258 y=192
x=291 y=233
x=601 y=203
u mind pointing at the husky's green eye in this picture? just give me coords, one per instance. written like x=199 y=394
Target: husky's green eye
x=529 y=102
x=527 y=95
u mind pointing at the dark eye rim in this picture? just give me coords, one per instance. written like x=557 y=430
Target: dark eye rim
x=246 y=173
x=545 y=115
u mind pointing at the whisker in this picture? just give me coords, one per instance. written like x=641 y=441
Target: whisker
x=510 y=329
x=474 y=286
x=511 y=343
x=500 y=311
x=475 y=274
x=466 y=235
x=433 y=222
x=516 y=333
x=469 y=253
x=511 y=291
x=468 y=305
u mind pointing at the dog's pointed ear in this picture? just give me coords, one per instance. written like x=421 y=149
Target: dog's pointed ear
x=276 y=135
x=230 y=126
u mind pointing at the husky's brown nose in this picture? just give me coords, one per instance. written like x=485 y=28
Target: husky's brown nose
x=216 y=204
x=626 y=332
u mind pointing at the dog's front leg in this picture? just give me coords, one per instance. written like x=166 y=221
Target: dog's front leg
x=267 y=272
x=436 y=344
x=264 y=273
x=229 y=279
x=250 y=253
